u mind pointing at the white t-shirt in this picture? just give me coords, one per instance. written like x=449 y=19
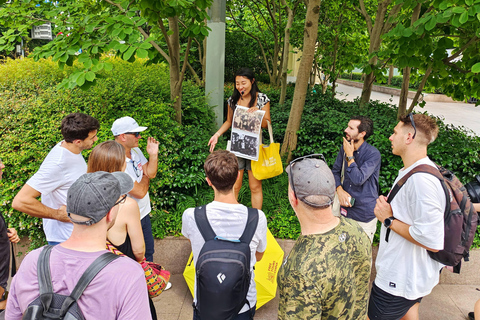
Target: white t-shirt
x=135 y=170
x=60 y=169
x=228 y=221
x=403 y=268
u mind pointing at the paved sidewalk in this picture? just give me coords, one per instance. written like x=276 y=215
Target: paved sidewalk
x=458 y=114
x=446 y=302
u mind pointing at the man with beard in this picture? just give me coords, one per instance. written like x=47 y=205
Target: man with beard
x=356 y=172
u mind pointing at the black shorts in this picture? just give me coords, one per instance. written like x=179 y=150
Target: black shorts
x=385 y=306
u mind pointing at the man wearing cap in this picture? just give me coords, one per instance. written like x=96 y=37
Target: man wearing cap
x=62 y=167
x=326 y=274
x=127 y=132
x=356 y=171
x=119 y=290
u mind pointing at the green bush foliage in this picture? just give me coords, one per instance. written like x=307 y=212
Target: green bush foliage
x=32 y=108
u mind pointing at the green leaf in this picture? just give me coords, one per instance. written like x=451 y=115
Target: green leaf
x=90 y=76
x=127 y=20
x=145 y=45
x=128 y=30
x=128 y=54
x=407 y=32
x=458 y=10
x=64 y=58
x=83 y=57
x=89 y=28
x=142 y=53
x=87 y=64
x=469 y=2
x=431 y=24
x=107 y=66
x=169 y=32
x=476 y=68
x=463 y=17
x=95 y=50
x=81 y=79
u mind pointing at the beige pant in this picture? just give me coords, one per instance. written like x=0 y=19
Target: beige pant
x=369 y=227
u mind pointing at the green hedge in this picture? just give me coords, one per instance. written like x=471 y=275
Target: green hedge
x=32 y=108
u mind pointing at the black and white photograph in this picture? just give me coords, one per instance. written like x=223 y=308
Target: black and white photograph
x=247 y=127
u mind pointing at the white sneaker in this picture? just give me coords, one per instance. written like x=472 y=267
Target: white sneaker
x=169 y=285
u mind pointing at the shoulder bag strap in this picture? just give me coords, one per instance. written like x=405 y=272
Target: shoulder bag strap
x=425 y=168
x=203 y=224
x=251 y=226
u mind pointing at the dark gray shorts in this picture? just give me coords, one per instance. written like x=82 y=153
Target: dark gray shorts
x=385 y=306
x=244 y=164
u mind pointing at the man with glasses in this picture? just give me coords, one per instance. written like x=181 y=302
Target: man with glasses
x=62 y=166
x=356 y=173
x=119 y=290
x=412 y=223
x=326 y=275
x=127 y=132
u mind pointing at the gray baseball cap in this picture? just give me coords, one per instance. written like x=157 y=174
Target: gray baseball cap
x=312 y=181
x=94 y=194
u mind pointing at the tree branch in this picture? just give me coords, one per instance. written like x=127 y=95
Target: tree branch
x=364 y=13
x=459 y=52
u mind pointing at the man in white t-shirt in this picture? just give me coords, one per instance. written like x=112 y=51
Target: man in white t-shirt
x=412 y=224
x=127 y=132
x=60 y=169
x=227 y=218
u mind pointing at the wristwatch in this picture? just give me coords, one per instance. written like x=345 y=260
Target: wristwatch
x=388 y=222
x=350 y=158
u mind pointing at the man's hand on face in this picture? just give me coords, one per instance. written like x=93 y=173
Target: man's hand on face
x=348 y=147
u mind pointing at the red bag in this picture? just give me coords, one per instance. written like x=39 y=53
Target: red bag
x=155 y=275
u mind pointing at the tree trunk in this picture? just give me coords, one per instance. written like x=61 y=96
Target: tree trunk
x=390 y=75
x=286 y=51
x=175 y=76
x=376 y=33
x=417 y=95
x=309 y=41
x=402 y=103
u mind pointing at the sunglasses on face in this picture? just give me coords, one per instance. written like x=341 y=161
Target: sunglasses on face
x=136 y=134
x=292 y=163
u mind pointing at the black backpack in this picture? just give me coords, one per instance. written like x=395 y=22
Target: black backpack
x=223 y=269
x=460 y=218
x=50 y=305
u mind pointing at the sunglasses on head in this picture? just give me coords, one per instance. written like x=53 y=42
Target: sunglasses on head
x=410 y=116
x=292 y=163
x=136 y=134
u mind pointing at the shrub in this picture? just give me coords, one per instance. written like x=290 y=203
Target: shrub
x=32 y=108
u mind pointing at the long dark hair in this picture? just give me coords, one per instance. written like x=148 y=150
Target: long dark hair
x=247 y=73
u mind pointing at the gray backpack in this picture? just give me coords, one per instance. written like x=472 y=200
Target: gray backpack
x=50 y=305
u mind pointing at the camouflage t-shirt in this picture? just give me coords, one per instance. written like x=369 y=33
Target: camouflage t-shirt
x=326 y=276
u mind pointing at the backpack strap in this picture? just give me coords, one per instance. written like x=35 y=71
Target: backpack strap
x=425 y=168
x=251 y=226
x=92 y=270
x=45 y=280
x=203 y=224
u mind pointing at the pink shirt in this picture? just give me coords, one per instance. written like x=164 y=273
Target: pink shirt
x=119 y=291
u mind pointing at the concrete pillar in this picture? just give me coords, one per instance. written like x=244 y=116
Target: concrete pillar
x=215 y=60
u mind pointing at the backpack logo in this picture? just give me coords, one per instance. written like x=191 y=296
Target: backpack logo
x=221 y=277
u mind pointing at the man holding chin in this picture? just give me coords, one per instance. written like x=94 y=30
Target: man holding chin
x=356 y=171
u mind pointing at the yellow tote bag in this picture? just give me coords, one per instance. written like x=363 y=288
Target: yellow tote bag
x=265 y=271
x=269 y=163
